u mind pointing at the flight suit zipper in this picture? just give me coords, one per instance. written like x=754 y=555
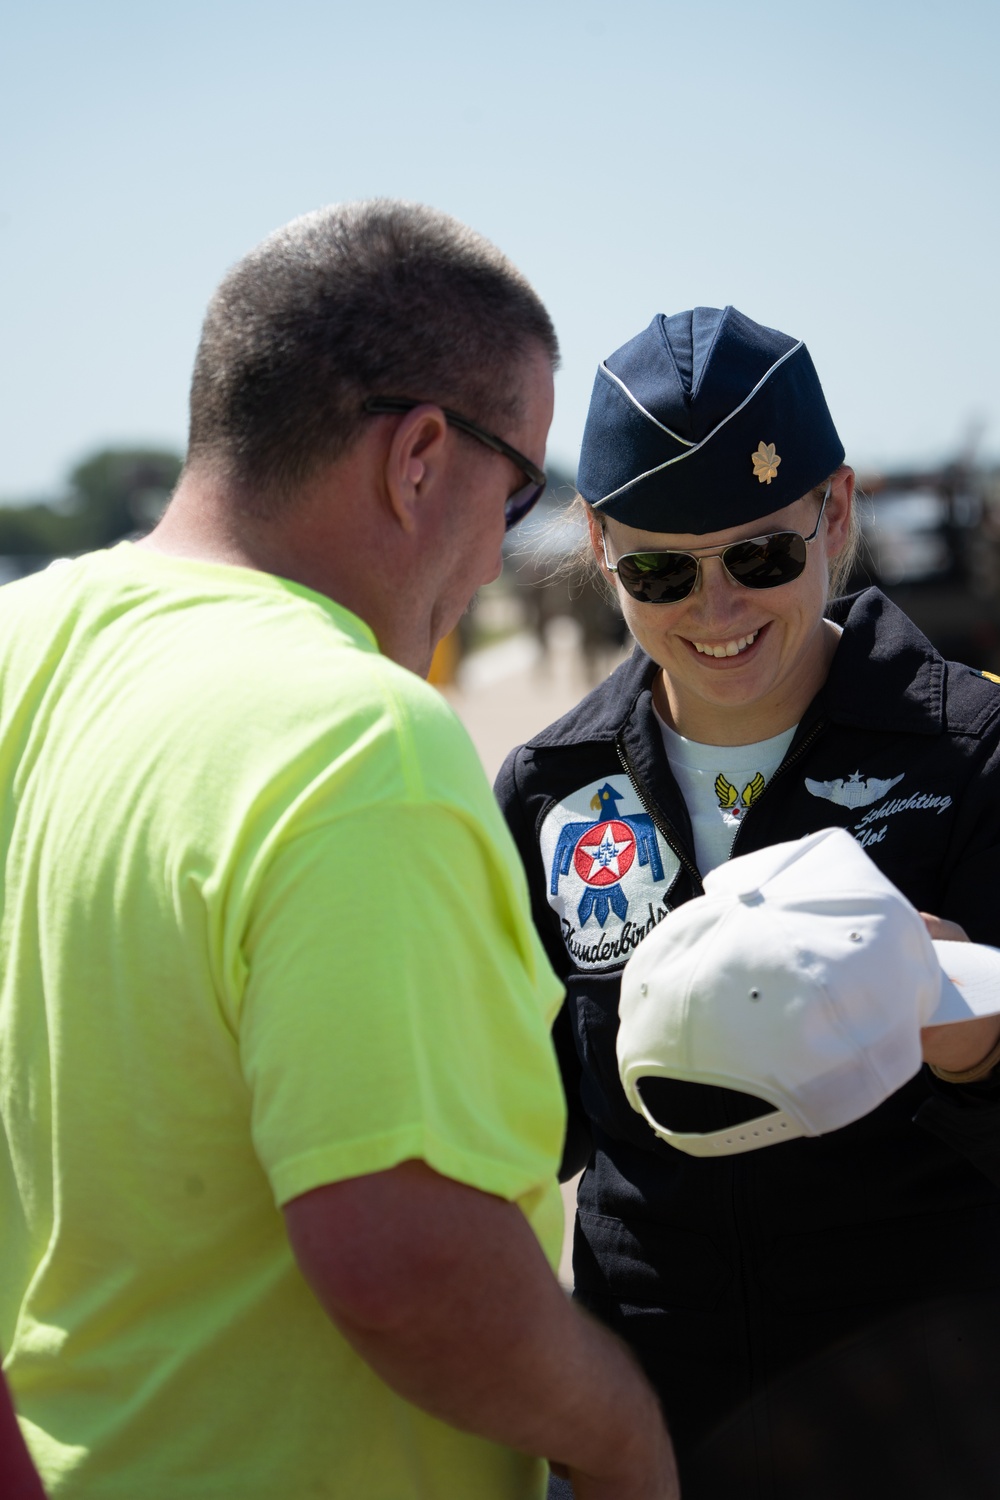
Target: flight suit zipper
x=786 y=765
x=660 y=823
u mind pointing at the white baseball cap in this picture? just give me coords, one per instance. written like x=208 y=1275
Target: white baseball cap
x=802 y=977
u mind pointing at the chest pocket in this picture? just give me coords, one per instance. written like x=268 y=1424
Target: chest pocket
x=901 y=815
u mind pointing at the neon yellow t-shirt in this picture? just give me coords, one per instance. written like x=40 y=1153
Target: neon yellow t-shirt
x=261 y=928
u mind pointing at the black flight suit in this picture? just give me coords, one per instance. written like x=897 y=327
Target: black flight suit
x=820 y=1318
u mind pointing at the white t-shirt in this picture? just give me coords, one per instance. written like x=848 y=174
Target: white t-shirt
x=719 y=783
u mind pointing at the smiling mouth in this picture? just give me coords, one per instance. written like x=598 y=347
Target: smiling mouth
x=727 y=648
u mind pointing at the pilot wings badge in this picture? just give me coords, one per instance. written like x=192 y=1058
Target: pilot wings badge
x=853 y=792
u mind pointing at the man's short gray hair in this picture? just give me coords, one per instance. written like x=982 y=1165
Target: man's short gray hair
x=355 y=300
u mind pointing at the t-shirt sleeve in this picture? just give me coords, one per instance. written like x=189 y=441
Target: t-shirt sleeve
x=396 y=1007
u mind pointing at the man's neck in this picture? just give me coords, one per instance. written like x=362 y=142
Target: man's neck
x=191 y=532
x=313 y=544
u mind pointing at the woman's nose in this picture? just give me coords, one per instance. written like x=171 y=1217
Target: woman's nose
x=712 y=575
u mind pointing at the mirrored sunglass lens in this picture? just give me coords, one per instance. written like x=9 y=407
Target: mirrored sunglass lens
x=765 y=564
x=658 y=577
x=519 y=504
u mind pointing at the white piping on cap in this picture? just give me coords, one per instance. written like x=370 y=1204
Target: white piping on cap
x=639 y=407
x=693 y=447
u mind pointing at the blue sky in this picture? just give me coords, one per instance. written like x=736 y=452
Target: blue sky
x=830 y=170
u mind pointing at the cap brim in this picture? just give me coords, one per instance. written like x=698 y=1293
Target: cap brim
x=970 y=982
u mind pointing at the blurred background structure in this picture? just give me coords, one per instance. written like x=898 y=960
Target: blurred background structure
x=830 y=171
x=931 y=542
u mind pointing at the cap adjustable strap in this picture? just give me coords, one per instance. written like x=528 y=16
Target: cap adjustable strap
x=766 y=1130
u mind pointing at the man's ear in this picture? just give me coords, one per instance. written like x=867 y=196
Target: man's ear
x=414 y=462
x=838 y=510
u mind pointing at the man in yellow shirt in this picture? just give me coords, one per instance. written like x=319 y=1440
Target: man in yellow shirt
x=279 y=1108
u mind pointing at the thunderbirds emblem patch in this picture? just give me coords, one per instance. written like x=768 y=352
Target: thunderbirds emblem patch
x=607 y=871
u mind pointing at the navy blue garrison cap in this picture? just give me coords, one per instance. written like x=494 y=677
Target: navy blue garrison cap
x=703 y=421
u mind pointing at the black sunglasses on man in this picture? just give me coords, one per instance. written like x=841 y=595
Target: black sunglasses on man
x=522 y=500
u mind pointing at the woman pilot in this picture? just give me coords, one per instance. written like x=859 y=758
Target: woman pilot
x=822 y=1318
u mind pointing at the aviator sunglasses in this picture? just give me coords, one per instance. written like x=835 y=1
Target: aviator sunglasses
x=760 y=562
x=522 y=500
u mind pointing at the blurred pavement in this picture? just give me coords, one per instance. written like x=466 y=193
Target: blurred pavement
x=504 y=693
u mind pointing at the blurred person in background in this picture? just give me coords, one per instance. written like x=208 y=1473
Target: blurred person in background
x=819 y=1318
x=279 y=1106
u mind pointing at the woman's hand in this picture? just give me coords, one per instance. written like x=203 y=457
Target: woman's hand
x=962 y=1044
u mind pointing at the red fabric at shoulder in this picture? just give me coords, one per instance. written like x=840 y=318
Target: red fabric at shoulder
x=18 y=1479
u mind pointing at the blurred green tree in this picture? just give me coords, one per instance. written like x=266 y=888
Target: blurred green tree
x=111 y=494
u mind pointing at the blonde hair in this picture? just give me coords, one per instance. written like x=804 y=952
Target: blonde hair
x=844 y=564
